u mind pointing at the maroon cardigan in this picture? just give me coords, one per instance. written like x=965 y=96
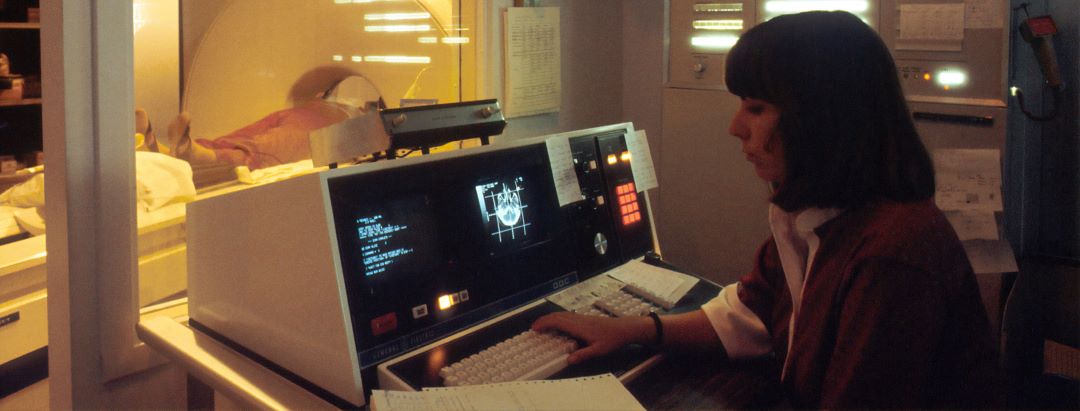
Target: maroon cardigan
x=891 y=315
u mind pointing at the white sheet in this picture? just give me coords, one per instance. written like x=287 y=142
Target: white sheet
x=8 y=225
x=160 y=181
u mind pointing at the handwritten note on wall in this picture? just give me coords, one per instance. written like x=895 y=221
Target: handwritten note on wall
x=532 y=61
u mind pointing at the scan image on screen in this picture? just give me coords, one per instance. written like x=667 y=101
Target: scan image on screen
x=504 y=209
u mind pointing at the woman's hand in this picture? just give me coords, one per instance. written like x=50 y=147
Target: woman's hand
x=601 y=335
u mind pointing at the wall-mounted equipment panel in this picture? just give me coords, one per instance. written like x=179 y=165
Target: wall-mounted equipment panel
x=702 y=32
x=949 y=51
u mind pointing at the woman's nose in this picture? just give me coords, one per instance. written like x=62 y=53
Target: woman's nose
x=736 y=130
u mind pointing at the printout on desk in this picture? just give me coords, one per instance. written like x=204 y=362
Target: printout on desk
x=596 y=393
x=968 y=179
x=664 y=283
x=532 y=58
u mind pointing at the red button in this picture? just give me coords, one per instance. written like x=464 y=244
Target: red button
x=384 y=324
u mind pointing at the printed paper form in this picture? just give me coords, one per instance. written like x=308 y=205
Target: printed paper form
x=932 y=21
x=562 y=170
x=990 y=256
x=983 y=14
x=664 y=283
x=597 y=393
x=968 y=179
x=973 y=224
x=931 y=27
x=641 y=163
x=532 y=61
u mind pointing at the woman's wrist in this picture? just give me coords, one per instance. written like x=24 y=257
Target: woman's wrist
x=639 y=330
x=658 y=329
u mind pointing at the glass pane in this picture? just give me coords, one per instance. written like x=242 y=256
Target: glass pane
x=23 y=313
x=254 y=79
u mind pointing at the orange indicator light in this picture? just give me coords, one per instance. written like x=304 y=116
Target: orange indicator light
x=445 y=302
x=926 y=76
x=611 y=159
x=625 y=156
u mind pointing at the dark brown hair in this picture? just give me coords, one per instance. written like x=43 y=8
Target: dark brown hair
x=847 y=135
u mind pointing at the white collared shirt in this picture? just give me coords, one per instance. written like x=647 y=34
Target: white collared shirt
x=740 y=330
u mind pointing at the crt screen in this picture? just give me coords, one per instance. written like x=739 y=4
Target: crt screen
x=397 y=238
x=506 y=213
x=428 y=248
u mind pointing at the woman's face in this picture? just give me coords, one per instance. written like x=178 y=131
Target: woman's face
x=755 y=125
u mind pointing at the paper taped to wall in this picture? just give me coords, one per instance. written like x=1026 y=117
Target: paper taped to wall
x=968 y=179
x=973 y=224
x=562 y=170
x=641 y=163
x=532 y=61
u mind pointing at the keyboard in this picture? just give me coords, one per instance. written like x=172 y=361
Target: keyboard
x=534 y=356
x=623 y=303
x=530 y=355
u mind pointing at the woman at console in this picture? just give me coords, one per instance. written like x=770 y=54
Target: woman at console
x=863 y=292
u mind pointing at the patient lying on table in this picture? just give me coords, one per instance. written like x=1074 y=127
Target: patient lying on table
x=279 y=138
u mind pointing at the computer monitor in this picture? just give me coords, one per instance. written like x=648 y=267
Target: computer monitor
x=330 y=274
x=431 y=248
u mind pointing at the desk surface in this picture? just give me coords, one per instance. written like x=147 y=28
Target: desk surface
x=683 y=381
x=703 y=381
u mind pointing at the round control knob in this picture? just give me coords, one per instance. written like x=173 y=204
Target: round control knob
x=399 y=120
x=488 y=111
x=600 y=243
x=698 y=68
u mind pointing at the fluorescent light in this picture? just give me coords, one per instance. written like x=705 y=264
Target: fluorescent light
x=357 y=59
x=427 y=40
x=731 y=24
x=399 y=59
x=338 y=57
x=715 y=42
x=398 y=28
x=138 y=16
x=951 y=78
x=397 y=16
x=455 y=40
x=718 y=8
x=798 y=6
